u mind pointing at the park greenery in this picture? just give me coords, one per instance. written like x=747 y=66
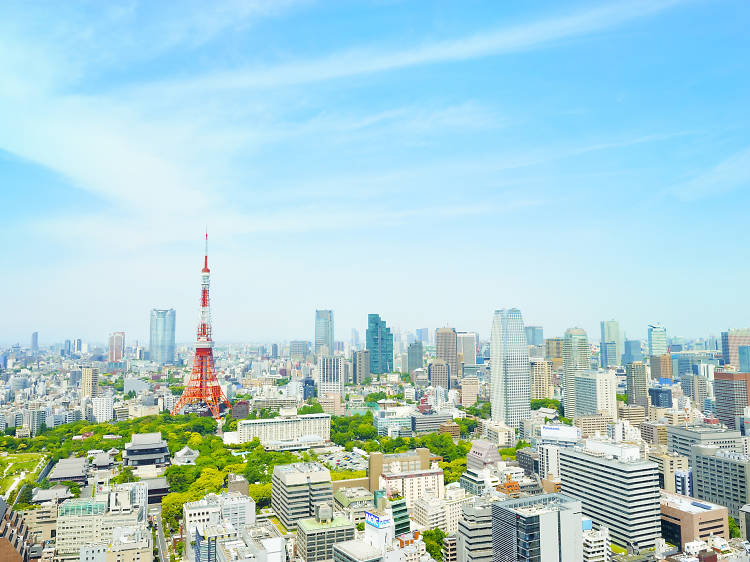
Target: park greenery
x=358 y=431
x=547 y=403
x=433 y=541
x=480 y=410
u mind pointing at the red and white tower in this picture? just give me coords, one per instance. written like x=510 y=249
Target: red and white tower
x=203 y=385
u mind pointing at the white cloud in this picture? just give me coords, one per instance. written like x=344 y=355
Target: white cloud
x=729 y=174
x=376 y=59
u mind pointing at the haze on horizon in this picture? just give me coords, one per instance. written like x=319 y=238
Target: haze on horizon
x=426 y=162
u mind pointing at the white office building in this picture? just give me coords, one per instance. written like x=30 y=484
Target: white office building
x=596 y=393
x=576 y=359
x=617 y=489
x=509 y=368
x=103 y=408
x=289 y=430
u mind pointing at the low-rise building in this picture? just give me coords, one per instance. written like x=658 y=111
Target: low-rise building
x=317 y=535
x=354 y=502
x=685 y=520
x=146 y=449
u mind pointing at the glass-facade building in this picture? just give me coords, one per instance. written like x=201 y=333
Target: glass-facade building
x=509 y=368
x=161 y=344
x=324 y=332
x=380 y=345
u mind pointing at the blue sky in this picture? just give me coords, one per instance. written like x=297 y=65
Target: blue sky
x=430 y=161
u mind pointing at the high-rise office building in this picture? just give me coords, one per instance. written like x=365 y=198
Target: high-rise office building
x=732 y=393
x=298 y=350
x=116 y=347
x=661 y=367
x=538 y=528
x=721 y=477
x=438 y=374
x=34 y=342
x=617 y=489
x=355 y=338
x=324 y=332
x=596 y=393
x=415 y=354
x=611 y=337
x=636 y=383
x=446 y=349
x=509 y=368
x=541 y=379
x=89 y=382
x=331 y=375
x=469 y=391
x=553 y=351
x=576 y=359
x=423 y=335
x=467 y=348
x=657 y=339
x=380 y=345
x=296 y=489
x=743 y=352
x=474 y=538
x=731 y=341
x=360 y=366
x=632 y=352
x=161 y=345
x=534 y=335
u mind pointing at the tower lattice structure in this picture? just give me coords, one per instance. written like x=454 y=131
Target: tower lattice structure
x=203 y=385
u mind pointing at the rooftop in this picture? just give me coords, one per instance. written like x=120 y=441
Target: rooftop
x=146 y=439
x=313 y=524
x=359 y=550
x=688 y=504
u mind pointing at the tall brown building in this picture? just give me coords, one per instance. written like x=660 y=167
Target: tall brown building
x=446 y=349
x=731 y=391
x=553 y=351
x=89 y=382
x=661 y=366
x=116 y=347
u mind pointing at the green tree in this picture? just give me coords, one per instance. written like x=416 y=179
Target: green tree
x=126 y=475
x=547 y=403
x=734 y=529
x=433 y=541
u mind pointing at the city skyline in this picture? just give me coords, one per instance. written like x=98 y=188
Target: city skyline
x=409 y=133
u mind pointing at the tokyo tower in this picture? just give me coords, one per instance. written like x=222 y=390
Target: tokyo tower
x=203 y=385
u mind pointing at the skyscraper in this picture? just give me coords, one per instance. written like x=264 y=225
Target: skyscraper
x=610 y=334
x=116 y=347
x=731 y=341
x=637 y=385
x=657 y=339
x=576 y=359
x=330 y=375
x=535 y=335
x=467 y=348
x=34 y=342
x=446 y=344
x=324 y=332
x=380 y=345
x=632 y=352
x=360 y=366
x=415 y=353
x=161 y=344
x=89 y=382
x=509 y=368
x=539 y=528
x=438 y=373
x=423 y=335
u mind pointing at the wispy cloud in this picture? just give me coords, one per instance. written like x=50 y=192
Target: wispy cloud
x=378 y=59
x=729 y=174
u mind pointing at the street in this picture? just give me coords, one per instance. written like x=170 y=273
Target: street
x=160 y=542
